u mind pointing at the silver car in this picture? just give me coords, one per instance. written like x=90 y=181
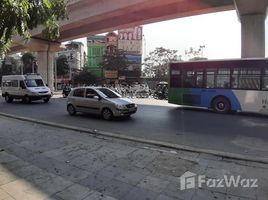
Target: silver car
x=99 y=100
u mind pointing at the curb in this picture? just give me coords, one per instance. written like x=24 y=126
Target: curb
x=143 y=140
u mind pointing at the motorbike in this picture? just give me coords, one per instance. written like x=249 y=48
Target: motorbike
x=161 y=91
x=160 y=95
x=66 y=91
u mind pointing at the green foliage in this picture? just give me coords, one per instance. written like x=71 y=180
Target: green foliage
x=18 y=17
x=62 y=65
x=115 y=60
x=28 y=61
x=156 y=64
x=85 y=77
x=195 y=54
x=10 y=67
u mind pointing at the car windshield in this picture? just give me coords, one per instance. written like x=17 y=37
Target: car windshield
x=109 y=93
x=34 y=82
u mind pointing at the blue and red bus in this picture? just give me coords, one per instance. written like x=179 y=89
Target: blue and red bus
x=223 y=85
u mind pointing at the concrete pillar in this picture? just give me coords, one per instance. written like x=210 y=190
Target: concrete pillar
x=45 y=61
x=252 y=35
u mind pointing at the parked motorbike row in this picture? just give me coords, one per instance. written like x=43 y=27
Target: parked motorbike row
x=135 y=91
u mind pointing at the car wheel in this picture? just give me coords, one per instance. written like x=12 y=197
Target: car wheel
x=221 y=105
x=71 y=110
x=8 y=98
x=27 y=99
x=46 y=100
x=107 y=114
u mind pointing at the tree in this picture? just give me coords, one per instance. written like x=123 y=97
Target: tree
x=115 y=60
x=85 y=77
x=10 y=66
x=195 y=54
x=19 y=17
x=29 y=61
x=156 y=64
x=62 y=65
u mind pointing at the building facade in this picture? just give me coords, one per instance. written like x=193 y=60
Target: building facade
x=95 y=48
x=75 y=54
x=130 y=41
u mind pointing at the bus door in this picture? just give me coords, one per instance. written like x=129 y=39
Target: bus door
x=193 y=81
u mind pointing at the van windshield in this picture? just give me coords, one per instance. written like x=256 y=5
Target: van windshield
x=34 y=82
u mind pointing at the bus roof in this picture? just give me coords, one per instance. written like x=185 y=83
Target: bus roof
x=222 y=60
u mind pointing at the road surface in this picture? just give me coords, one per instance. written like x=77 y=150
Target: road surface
x=158 y=120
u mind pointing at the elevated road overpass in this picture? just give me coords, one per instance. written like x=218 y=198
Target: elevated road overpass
x=88 y=17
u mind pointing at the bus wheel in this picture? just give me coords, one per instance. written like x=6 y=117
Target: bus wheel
x=221 y=105
x=8 y=98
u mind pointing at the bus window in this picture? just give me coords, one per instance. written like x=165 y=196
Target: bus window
x=223 y=78
x=175 y=78
x=235 y=78
x=199 y=79
x=249 y=79
x=265 y=80
x=210 y=78
x=189 y=79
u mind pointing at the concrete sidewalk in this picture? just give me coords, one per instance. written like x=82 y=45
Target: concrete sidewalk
x=41 y=162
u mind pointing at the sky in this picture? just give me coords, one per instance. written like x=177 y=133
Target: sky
x=220 y=33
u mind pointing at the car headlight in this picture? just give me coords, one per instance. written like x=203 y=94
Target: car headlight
x=121 y=107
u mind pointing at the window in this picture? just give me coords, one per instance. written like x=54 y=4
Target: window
x=22 y=85
x=223 y=78
x=7 y=84
x=199 y=79
x=79 y=92
x=210 y=78
x=109 y=93
x=235 y=78
x=249 y=78
x=34 y=82
x=175 y=78
x=14 y=83
x=265 y=80
x=90 y=93
x=189 y=79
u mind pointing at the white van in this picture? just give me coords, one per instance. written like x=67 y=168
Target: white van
x=27 y=87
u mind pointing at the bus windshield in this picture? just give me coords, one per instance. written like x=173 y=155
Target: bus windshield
x=34 y=82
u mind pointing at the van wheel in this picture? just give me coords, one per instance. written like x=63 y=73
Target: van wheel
x=107 y=114
x=46 y=100
x=8 y=98
x=71 y=110
x=27 y=99
x=221 y=105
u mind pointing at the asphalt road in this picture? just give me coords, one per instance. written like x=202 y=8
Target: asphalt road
x=158 y=120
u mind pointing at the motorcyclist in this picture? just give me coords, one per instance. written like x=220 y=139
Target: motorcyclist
x=66 y=90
